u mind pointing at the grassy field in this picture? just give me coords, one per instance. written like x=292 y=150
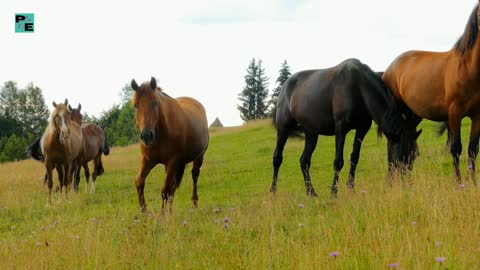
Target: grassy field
x=239 y=224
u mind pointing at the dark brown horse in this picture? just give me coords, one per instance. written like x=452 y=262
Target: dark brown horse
x=334 y=101
x=94 y=145
x=60 y=146
x=174 y=132
x=443 y=86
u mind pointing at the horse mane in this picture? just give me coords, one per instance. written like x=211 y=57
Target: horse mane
x=51 y=128
x=391 y=122
x=469 y=36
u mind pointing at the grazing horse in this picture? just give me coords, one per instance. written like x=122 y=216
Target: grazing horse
x=94 y=145
x=174 y=132
x=60 y=146
x=334 y=101
x=443 y=86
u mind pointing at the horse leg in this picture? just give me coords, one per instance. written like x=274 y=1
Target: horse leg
x=355 y=156
x=145 y=169
x=197 y=164
x=340 y=134
x=168 y=189
x=473 y=148
x=305 y=161
x=454 y=125
x=96 y=171
x=282 y=136
x=86 y=170
x=76 y=180
x=68 y=178
x=49 y=175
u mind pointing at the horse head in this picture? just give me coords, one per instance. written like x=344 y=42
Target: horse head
x=146 y=105
x=403 y=149
x=60 y=120
x=76 y=115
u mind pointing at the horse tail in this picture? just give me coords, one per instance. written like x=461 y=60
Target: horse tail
x=106 y=149
x=99 y=168
x=292 y=126
x=34 y=150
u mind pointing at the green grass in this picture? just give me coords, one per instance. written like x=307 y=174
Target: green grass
x=410 y=222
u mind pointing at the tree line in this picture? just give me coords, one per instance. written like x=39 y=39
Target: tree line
x=254 y=100
x=24 y=114
x=24 y=117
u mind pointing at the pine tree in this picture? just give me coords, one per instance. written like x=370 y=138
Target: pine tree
x=261 y=106
x=253 y=96
x=284 y=74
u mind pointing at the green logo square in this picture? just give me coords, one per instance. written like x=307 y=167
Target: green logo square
x=24 y=22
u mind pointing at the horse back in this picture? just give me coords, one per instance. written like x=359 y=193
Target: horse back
x=418 y=79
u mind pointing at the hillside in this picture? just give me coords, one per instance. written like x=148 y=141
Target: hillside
x=410 y=223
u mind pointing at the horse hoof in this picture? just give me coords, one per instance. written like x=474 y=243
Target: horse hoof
x=312 y=193
x=273 y=189
x=334 y=190
x=195 y=204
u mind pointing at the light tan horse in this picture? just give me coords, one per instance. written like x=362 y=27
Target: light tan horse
x=444 y=86
x=60 y=146
x=94 y=145
x=174 y=132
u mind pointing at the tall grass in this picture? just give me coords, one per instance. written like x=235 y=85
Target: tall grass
x=239 y=224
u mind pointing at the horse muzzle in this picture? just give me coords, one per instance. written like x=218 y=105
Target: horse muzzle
x=147 y=136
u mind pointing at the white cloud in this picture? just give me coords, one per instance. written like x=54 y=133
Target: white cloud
x=87 y=50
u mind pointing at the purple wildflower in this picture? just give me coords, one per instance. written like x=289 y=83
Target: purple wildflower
x=216 y=210
x=52 y=226
x=440 y=260
x=461 y=186
x=394 y=265
x=470 y=166
x=334 y=254
x=300 y=205
x=217 y=221
x=225 y=226
x=225 y=220
x=363 y=191
x=185 y=223
x=42 y=229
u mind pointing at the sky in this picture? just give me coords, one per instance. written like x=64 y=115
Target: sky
x=88 y=50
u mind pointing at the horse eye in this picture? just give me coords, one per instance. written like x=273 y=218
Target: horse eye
x=136 y=106
x=154 y=104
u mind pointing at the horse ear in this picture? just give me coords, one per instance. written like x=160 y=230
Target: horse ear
x=134 y=85
x=70 y=107
x=79 y=107
x=418 y=134
x=54 y=104
x=66 y=102
x=153 y=83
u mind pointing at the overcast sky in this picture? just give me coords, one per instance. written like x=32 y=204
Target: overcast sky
x=87 y=50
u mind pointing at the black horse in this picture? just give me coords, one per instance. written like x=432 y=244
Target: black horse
x=334 y=101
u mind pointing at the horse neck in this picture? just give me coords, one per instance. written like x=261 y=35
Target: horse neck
x=470 y=60
x=166 y=109
x=381 y=105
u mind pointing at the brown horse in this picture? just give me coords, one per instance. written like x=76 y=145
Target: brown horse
x=93 y=145
x=60 y=146
x=174 y=132
x=443 y=86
